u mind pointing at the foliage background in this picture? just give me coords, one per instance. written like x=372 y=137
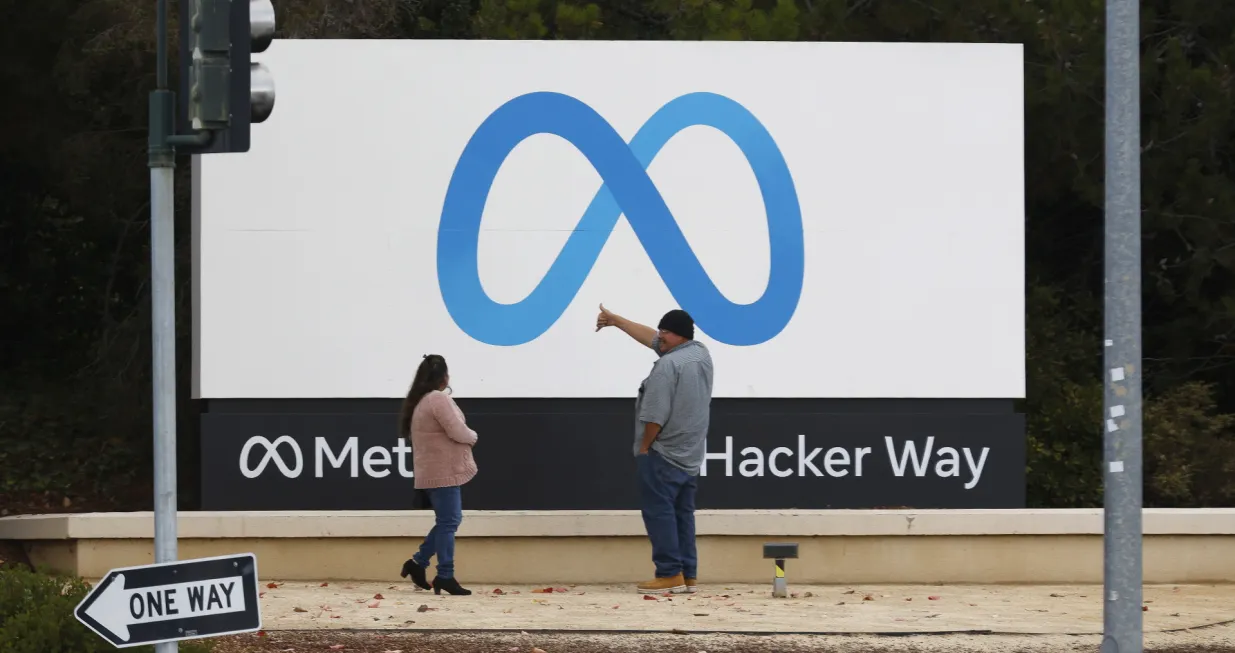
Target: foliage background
x=74 y=323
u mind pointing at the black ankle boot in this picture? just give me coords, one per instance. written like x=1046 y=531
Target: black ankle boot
x=410 y=568
x=450 y=586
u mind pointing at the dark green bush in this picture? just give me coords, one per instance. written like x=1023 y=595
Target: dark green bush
x=36 y=616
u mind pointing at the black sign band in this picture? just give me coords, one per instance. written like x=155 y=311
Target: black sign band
x=577 y=455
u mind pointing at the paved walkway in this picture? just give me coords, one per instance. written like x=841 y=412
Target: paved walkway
x=1038 y=610
x=1211 y=640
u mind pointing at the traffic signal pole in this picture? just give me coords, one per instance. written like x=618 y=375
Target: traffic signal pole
x=218 y=23
x=162 y=163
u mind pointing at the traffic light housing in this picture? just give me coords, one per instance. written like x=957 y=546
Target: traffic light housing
x=223 y=91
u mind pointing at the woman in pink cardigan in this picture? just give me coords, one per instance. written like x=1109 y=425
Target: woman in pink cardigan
x=441 y=463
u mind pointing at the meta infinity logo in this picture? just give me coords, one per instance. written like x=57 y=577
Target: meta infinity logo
x=627 y=190
x=272 y=455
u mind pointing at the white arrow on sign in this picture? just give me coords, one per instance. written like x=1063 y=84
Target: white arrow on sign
x=117 y=608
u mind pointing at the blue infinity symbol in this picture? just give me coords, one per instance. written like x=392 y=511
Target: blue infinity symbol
x=627 y=190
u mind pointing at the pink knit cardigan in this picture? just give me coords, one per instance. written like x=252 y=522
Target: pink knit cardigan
x=441 y=443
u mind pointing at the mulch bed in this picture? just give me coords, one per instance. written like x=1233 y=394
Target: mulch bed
x=139 y=497
x=12 y=555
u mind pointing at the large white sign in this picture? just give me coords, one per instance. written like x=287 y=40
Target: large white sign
x=841 y=219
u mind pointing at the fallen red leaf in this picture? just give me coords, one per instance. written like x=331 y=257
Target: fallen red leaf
x=543 y=590
x=1144 y=608
x=336 y=616
x=498 y=591
x=649 y=597
x=932 y=598
x=324 y=585
x=616 y=607
x=261 y=633
x=271 y=586
x=378 y=596
x=560 y=590
x=261 y=595
x=375 y=603
x=868 y=597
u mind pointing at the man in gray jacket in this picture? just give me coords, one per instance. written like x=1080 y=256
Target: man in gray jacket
x=671 y=426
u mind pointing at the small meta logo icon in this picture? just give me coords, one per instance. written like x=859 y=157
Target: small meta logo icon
x=628 y=191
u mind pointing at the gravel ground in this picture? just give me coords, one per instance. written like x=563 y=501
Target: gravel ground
x=1218 y=639
x=815 y=610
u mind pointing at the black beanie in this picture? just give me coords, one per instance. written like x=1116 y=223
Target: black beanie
x=678 y=321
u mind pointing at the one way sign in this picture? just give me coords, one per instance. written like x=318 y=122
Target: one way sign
x=187 y=599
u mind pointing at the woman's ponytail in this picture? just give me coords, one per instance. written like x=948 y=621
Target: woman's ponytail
x=429 y=377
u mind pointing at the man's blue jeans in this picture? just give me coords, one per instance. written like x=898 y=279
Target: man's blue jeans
x=667 y=498
x=448 y=509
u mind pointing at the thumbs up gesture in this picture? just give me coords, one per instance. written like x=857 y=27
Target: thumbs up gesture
x=605 y=318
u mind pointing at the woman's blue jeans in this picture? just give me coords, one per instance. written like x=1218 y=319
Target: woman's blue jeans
x=448 y=509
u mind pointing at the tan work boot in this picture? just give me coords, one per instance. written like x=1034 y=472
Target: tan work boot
x=692 y=585
x=673 y=585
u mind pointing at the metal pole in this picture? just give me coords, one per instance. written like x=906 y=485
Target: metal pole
x=162 y=164
x=1123 y=626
